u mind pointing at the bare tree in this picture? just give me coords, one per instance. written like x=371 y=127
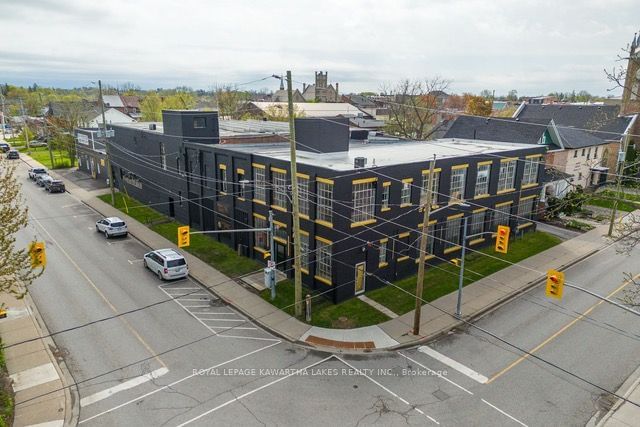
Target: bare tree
x=416 y=106
x=629 y=60
x=16 y=273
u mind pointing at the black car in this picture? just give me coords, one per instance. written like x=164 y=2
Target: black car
x=13 y=154
x=54 y=186
x=4 y=147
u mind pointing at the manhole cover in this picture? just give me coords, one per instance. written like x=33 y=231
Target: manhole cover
x=440 y=395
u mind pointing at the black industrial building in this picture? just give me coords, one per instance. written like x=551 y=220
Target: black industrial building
x=359 y=201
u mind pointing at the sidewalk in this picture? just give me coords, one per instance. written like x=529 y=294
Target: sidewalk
x=33 y=368
x=622 y=413
x=479 y=297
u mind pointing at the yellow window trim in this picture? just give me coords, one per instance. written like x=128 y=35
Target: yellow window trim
x=402 y=258
x=304 y=270
x=323 y=280
x=426 y=258
x=431 y=222
x=456 y=167
x=324 y=180
x=426 y=171
x=278 y=170
x=305 y=233
x=223 y=193
x=478 y=210
x=481 y=196
x=258 y=165
x=383 y=264
x=260 y=202
x=361 y=223
x=279 y=208
x=363 y=180
x=323 y=240
x=529 y=197
x=302 y=175
x=281 y=224
x=261 y=250
x=533 y=156
x=453 y=249
x=460 y=215
x=385 y=209
x=507 y=190
x=303 y=216
x=509 y=159
x=242 y=199
x=386 y=183
x=404 y=205
x=222 y=166
x=325 y=223
x=240 y=171
x=385 y=240
x=407 y=180
x=488 y=162
x=525 y=225
x=504 y=203
x=533 y=184
x=406 y=234
x=476 y=241
x=281 y=240
x=260 y=216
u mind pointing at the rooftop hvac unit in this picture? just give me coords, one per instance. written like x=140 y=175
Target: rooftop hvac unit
x=152 y=126
x=359 y=162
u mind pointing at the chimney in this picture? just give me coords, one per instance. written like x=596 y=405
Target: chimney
x=337 y=96
x=304 y=87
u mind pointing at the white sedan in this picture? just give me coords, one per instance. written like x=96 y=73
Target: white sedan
x=112 y=226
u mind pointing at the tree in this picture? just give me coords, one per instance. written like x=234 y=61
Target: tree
x=478 y=106
x=16 y=273
x=486 y=93
x=232 y=103
x=512 y=95
x=278 y=113
x=617 y=75
x=151 y=107
x=416 y=107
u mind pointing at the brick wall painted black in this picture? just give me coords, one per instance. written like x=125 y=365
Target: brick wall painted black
x=322 y=135
x=181 y=123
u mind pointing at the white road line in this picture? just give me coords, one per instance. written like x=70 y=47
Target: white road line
x=167 y=288
x=504 y=413
x=225 y=320
x=101 y=395
x=242 y=396
x=386 y=389
x=243 y=328
x=131 y=261
x=196 y=306
x=144 y=396
x=222 y=314
x=435 y=373
x=192 y=299
x=453 y=364
x=34 y=376
x=243 y=338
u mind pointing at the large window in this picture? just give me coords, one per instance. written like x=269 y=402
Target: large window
x=501 y=215
x=405 y=194
x=382 y=257
x=243 y=186
x=458 y=182
x=434 y=187
x=431 y=240
x=403 y=246
x=364 y=198
x=259 y=183
x=163 y=157
x=323 y=260
x=530 y=175
x=222 y=177
x=199 y=122
x=525 y=209
x=386 y=188
x=304 y=251
x=325 y=202
x=507 y=175
x=261 y=238
x=477 y=222
x=482 y=180
x=452 y=232
x=303 y=195
x=279 y=179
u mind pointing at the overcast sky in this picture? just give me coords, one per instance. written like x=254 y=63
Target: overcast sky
x=533 y=46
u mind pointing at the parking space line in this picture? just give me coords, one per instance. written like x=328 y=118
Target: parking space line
x=225 y=320
x=192 y=299
x=166 y=287
x=222 y=314
x=504 y=413
x=418 y=410
x=144 y=396
x=101 y=395
x=243 y=328
x=196 y=306
x=262 y=387
x=453 y=364
x=435 y=373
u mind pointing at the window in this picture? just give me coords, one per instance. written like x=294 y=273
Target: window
x=575 y=154
x=476 y=223
x=434 y=187
x=281 y=232
x=458 y=181
x=595 y=153
x=403 y=245
x=199 y=122
x=260 y=188
x=405 y=194
x=304 y=251
x=579 y=176
x=325 y=202
x=507 y=175
x=261 y=238
x=582 y=152
x=222 y=176
x=303 y=195
x=431 y=240
x=279 y=179
x=163 y=157
x=178 y=165
x=386 y=187
x=364 y=198
x=382 y=259
x=452 y=233
x=525 y=209
x=501 y=215
x=482 y=180
x=589 y=153
x=243 y=186
x=531 y=167
x=323 y=260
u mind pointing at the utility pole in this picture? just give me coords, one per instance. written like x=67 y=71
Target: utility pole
x=294 y=204
x=106 y=147
x=423 y=249
x=25 y=127
x=620 y=171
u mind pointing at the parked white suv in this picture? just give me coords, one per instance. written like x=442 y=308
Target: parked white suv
x=166 y=264
x=112 y=226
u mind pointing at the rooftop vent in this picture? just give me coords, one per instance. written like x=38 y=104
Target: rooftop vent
x=152 y=126
x=359 y=162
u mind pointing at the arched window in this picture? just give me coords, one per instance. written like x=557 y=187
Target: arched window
x=605 y=158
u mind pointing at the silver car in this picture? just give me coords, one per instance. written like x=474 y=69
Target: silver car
x=112 y=226
x=42 y=179
x=166 y=264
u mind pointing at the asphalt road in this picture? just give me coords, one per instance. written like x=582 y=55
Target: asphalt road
x=253 y=378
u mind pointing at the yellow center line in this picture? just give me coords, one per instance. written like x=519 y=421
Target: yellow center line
x=104 y=298
x=561 y=331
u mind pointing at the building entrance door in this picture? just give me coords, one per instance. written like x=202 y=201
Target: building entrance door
x=360 y=278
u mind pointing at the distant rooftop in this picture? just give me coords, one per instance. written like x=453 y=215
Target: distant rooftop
x=395 y=153
x=228 y=128
x=315 y=109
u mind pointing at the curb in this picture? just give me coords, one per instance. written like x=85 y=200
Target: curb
x=629 y=386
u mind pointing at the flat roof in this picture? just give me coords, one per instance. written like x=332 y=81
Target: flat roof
x=228 y=128
x=382 y=154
